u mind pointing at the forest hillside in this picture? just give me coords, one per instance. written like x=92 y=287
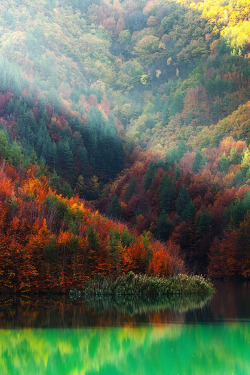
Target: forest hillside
x=124 y=139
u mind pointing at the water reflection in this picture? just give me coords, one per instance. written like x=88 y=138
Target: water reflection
x=170 y=349
x=127 y=336
x=61 y=311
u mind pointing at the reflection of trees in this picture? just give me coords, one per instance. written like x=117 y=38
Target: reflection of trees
x=95 y=311
x=169 y=349
x=71 y=351
x=160 y=347
x=132 y=305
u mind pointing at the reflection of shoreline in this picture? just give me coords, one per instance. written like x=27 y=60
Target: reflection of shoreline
x=62 y=312
x=132 y=305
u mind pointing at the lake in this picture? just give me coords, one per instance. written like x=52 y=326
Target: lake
x=170 y=336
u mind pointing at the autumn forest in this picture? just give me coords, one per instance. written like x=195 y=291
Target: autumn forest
x=124 y=140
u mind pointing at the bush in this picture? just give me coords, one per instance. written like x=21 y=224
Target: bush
x=143 y=285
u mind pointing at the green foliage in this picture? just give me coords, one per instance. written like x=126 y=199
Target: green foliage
x=239 y=209
x=163 y=227
x=167 y=194
x=223 y=164
x=13 y=205
x=130 y=189
x=131 y=284
x=4 y=145
x=127 y=239
x=50 y=250
x=149 y=176
x=115 y=209
x=92 y=239
x=204 y=221
x=174 y=154
x=177 y=172
x=185 y=207
x=197 y=161
x=59 y=210
x=114 y=246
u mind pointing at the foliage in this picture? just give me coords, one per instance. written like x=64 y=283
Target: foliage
x=143 y=285
x=190 y=202
x=53 y=243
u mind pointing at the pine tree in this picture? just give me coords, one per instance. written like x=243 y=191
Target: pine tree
x=167 y=194
x=149 y=176
x=163 y=227
x=185 y=207
x=197 y=162
x=114 y=209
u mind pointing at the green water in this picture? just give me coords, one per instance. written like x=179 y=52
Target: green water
x=212 y=338
x=175 y=349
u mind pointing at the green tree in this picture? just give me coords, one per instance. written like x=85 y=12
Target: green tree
x=114 y=247
x=65 y=160
x=204 y=222
x=92 y=239
x=223 y=163
x=127 y=239
x=163 y=227
x=197 y=161
x=239 y=209
x=4 y=145
x=185 y=207
x=167 y=194
x=149 y=176
x=130 y=189
x=177 y=172
x=115 y=209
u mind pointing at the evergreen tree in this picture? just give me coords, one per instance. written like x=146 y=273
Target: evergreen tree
x=4 y=145
x=114 y=209
x=234 y=157
x=197 y=162
x=177 y=172
x=49 y=152
x=184 y=205
x=130 y=189
x=223 y=164
x=149 y=176
x=126 y=238
x=163 y=227
x=81 y=187
x=167 y=194
x=114 y=247
x=65 y=160
x=204 y=222
x=93 y=239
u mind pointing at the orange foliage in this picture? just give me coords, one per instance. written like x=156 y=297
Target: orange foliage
x=46 y=243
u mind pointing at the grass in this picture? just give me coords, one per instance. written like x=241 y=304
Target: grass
x=143 y=285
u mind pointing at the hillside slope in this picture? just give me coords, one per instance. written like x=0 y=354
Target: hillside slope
x=142 y=108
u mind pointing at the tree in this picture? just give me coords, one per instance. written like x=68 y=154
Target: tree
x=149 y=175
x=223 y=163
x=167 y=194
x=130 y=190
x=185 y=207
x=65 y=160
x=177 y=172
x=126 y=238
x=114 y=249
x=204 y=222
x=197 y=161
x=163 y=227
x=92 y=239
x=115 y=209
x=4 y=145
